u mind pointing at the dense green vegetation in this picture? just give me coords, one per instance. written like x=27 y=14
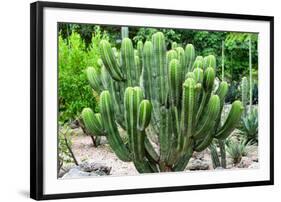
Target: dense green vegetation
x=74 y=57
x=229 y=54
x=78 y=49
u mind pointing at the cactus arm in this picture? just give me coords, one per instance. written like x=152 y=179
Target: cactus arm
x=147 y=68
x=209 y=61
x=198 y=75
x=208 y=82
x=93 y=76
x=105 y=78
x=170 y=55
x=129 y=115
x=174 y=45
x=109 y=60
x=212 y=113
x=203 y=144
x=222 y=91
x=140 y=52
x=215 y=157
x=182 y=59
x=144 y=114
x=151 y=153
x=175 y=81
x=160 y=68
x=92 y=122
x=128 y=62
x=164 y=134
x=138 y=69
x=223 y=153
x=183 y=161
x=190 y=56
x=143 y=166
x=188 y=102
x=113 y=137
x=231 y=121
x=198 y=63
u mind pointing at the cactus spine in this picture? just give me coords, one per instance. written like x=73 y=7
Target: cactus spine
x=173 y=99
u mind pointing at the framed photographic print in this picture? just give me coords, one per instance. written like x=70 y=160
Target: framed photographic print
x=135 y=100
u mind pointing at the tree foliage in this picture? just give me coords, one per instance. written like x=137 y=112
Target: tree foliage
x=74 y=90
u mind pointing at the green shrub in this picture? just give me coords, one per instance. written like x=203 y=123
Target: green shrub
x=74 y=90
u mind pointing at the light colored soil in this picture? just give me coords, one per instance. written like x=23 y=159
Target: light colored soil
x=85 y=151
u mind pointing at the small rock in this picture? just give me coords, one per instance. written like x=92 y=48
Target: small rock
x=245 y=162
x=95 y=167
x=197 y=164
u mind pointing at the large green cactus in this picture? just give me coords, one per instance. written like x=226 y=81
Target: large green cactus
x=165 y=94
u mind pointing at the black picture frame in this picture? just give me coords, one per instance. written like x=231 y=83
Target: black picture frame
x=37 y=101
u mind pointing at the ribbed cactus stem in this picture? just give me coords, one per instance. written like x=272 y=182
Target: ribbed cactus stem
x=94 y=79
x=208 y=122
x=147 y=69
x=190 y=56
x=209 y=61
x=144 y=114
x=109 y=60
x=128 y=62
x=174 y=45
x=231 y=121
x=188 y=102
x=92 y=122
x=160 y=67
x=113 y=136
x=181 y=58
x=208 y=80
x=198 y=63
x=175 y=81
x=140 y=52
x=171 y=54
x=198 y=75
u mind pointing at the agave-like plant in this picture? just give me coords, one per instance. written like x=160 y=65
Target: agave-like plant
x=236 y=150
x=250 y=126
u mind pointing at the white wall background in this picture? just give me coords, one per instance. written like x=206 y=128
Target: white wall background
x=14 y=100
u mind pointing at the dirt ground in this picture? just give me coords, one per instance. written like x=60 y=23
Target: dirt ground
x=84 y=151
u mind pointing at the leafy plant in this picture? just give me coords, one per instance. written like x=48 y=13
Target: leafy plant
x=74 y=91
